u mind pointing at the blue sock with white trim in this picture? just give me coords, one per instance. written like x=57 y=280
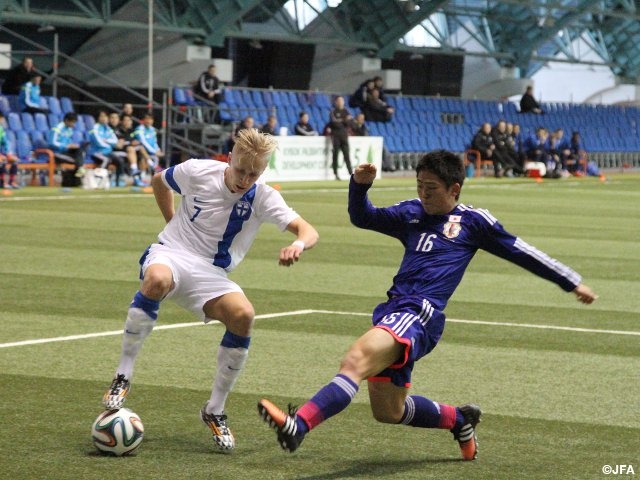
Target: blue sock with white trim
x=327 y=402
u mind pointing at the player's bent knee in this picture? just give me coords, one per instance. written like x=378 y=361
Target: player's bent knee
x=244 y=315
x=354 y=365
x=157 y=282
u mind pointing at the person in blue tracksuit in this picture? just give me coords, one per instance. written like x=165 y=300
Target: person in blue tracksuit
x=29 y=97
x=102 y=146
x=65 y=148
x=147 y=135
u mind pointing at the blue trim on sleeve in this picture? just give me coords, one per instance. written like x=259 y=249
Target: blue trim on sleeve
x=231 y=340
x=168 y=176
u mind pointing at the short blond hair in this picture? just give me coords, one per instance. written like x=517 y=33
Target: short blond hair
x=254 y=147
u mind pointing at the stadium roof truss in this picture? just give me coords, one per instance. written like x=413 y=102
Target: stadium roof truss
x=523 y=34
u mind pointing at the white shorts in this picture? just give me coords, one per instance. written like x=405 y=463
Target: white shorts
x=196 y=281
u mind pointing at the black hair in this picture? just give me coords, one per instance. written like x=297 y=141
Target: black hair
x=445 y=165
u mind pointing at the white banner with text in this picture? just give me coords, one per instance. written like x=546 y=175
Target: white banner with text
x=309 y=158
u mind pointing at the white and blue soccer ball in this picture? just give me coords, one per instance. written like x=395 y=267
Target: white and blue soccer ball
x=117 y=432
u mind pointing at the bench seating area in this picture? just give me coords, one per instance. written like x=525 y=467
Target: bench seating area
x=27 y=133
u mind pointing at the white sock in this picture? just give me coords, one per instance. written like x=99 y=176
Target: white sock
x=137 y=327
x=230 y=364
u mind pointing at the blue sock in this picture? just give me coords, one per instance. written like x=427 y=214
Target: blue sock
x=231 y=340
x=147 y=305
x=329 y=401
x=425 y=413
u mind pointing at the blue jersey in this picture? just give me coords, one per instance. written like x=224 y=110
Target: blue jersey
x=438 y=248
x=148 y=137
x=29 y=96
x=102 y=139
x=60 y=137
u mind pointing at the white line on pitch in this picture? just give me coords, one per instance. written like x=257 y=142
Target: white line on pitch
x=509 y=324
x=328 y=312
x=119 y=332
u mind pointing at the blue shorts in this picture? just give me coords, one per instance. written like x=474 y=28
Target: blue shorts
x=414 y=322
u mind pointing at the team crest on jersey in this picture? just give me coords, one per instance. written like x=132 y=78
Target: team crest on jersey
x=452 y=228
x=243 y=209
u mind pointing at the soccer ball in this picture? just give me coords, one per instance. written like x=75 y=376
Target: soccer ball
x=118 y=432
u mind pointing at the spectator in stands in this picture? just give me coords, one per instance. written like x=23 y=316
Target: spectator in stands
x=271 y=126
x=359 y=97
x=378 y=85
x=375 y=109
x=29 y=98
x=560 y=150
x=18 y=76
x=516 y=142
x=339 y=120
x=483 y=142
x=358 y=126
x=65 y=150
x=303 y=127
x=103 y=146
x=504 y=152
x=209 y=86
x=8 y=160
x=127 y=109
x=577 y=155
x=147 y=135
x=528 y=104
x=247 y=122
x=124 y=128
x=114 y=121
x=537 y=148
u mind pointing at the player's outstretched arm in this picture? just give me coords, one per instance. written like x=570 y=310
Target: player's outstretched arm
x=585 y=294
x=306 y=238
x=365 y=173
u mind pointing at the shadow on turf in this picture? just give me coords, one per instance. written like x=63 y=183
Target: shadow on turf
x=367 y=468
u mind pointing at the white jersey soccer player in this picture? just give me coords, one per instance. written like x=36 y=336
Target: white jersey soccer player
x=213 y=222
x=222 y=208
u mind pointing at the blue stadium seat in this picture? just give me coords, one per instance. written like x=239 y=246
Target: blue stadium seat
x=54 y=119
x=232 y=98
x=28 y=123
x=14 y=122
x=269 y=98
x=179 y=97
x=257 y=99
x=247 y=98
x=23 y=147
x=13 y=102
x=66 y=104
x=40 y=120
x=80 y=125
x=38 y=139
x=54 y=106
x=5 y=107
x=89 y=120
x=11 y=141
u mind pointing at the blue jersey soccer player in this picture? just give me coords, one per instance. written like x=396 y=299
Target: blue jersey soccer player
x=440 y=237
x=222 y=208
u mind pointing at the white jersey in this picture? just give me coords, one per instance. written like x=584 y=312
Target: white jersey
x=213 y=222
